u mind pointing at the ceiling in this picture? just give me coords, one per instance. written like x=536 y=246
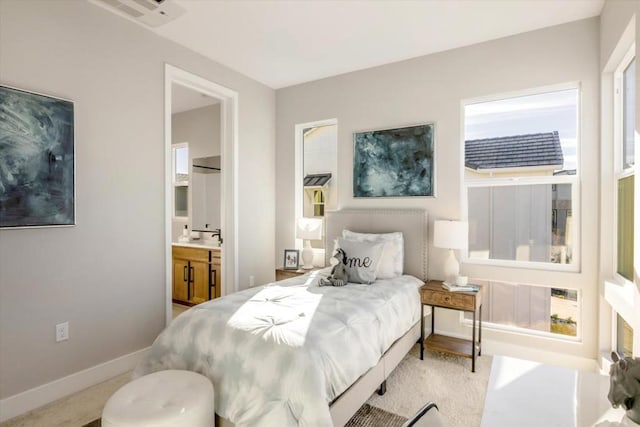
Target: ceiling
x=283 y=43
x=184 y=99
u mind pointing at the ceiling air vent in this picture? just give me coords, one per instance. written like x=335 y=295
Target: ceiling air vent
x=150 y=12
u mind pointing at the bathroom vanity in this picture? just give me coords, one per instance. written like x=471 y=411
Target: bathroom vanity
x=196 y=273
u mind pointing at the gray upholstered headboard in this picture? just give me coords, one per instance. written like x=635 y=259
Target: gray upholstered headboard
x=411 y=222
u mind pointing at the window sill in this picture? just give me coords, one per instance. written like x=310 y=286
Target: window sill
x=523 y=331
x=569 y=268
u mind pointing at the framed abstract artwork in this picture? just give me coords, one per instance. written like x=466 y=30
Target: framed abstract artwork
x=394 y=162
x=37 y=160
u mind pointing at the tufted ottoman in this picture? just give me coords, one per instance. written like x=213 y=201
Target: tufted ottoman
x=162 y=399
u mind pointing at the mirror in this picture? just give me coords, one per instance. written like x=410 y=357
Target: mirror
x=206 y=185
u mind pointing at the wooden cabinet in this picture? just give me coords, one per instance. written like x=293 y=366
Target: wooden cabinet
x=196 y=274
x=180 y=280
x=200 y=281
x=216 y=275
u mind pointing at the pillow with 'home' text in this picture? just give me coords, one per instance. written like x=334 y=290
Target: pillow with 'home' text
x=362 y=259
x=392 y=262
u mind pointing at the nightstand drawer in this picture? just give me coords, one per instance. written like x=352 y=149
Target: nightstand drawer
x=282 y=274
x=448 y=299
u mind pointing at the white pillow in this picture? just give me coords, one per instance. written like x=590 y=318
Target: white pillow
x=392 y=263
x=362 y=259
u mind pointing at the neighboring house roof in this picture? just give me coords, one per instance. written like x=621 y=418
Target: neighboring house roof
x=517 y=151
x=316 y=180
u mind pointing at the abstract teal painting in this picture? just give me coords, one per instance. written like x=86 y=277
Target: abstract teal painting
x=394 y=162
x=37 y=160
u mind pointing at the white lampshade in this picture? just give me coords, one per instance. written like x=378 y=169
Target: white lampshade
x=450 y=234
x=309 y=229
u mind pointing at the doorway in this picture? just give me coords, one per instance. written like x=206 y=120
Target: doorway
x=201 y=92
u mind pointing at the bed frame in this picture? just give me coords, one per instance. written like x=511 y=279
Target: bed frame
x=413 y=225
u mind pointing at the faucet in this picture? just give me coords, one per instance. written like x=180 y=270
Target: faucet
x=217 y=232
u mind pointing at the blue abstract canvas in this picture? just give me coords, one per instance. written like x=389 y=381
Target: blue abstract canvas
x=394 y=162
x=36 y=160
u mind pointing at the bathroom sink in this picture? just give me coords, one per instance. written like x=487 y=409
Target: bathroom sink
x=210 y=242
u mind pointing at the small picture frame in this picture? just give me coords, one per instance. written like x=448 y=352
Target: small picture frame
x=291 y=259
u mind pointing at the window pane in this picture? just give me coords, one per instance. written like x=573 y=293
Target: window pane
x=625 y=338
x=629 y=115
x=181 y=196
x=625 y=227
x=521 y=223
x=181 y=164
x=533 y=135
x=540 y=308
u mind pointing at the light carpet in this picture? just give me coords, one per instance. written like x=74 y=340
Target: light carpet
x=443 y=379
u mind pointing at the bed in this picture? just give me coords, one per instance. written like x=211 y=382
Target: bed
x=293 y=353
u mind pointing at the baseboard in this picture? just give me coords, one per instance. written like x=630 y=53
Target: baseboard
x=36 y=397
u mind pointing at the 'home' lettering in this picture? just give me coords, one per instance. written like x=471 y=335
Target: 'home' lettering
x=358 y=263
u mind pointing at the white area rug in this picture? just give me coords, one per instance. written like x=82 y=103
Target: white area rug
x=443 y=379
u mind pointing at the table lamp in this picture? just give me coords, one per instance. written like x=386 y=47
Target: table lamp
x=451 y=235
x=308 y=229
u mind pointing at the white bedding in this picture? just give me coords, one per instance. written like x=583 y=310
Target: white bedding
x=279 y=354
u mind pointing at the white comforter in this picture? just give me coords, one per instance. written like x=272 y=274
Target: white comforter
x=280 y=353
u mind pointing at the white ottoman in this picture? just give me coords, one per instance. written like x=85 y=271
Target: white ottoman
x=165 y=398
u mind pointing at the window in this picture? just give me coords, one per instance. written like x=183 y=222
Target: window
x=180 y=166
x=521 y=179
x=542 y=309
x=624 y=341
x=317 y=164
x=625 y=91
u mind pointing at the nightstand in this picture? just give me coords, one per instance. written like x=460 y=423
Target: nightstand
x=434 y=295
x=282 y=274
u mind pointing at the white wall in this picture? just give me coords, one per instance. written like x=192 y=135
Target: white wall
x=431 y=89
x=106 y=275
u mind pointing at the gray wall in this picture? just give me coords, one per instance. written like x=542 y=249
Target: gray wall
x=106 y=275
x=199 y=127
x=431 y=89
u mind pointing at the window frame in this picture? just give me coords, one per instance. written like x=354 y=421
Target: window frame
x=492 y=181
x=533 y=332
x=619 y=172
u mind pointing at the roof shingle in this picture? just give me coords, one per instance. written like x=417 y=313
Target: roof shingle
x=316 y=180
x=517 y=151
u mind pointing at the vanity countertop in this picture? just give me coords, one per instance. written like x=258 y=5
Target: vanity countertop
x=197 y=245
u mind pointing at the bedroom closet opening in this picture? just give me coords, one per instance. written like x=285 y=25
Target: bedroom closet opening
x=200 y=220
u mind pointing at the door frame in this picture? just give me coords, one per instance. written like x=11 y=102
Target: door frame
x=229 y=175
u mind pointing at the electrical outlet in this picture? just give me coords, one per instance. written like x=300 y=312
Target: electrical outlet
x=252 y=281
x=62 y=331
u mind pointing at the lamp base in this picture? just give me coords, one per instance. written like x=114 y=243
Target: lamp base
x=307 y=256
x=451 y=268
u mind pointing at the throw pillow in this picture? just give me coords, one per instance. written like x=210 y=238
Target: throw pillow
x=362 y=259
x=392 y=262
